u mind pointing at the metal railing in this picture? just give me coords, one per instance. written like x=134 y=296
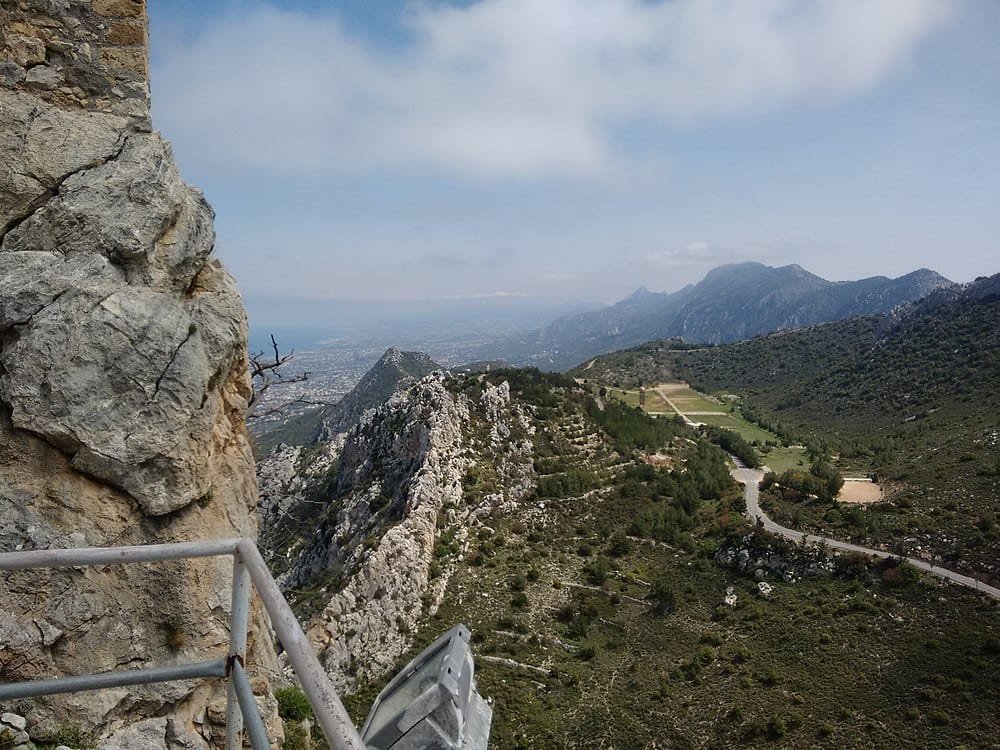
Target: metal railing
x=241 y=707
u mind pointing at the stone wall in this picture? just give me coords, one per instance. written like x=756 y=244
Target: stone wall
x=123 y=383
x=76 y=54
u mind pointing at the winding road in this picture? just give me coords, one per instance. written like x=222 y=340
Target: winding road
x=750 y=479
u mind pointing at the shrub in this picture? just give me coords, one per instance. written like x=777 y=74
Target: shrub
x=296 y=736
x=597 y=571
x=663 y=597
x=74 y=736
x=619 y=545
x=939 y=718
x=519 y=600
x=292 y=703
x=776 y=728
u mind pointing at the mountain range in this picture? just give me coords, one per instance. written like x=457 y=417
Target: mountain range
x=733 y=302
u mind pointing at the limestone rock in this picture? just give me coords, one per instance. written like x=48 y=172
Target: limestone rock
x=43 y=146
x=372 y=512
x=121 y=378
x=123 y=383
x=13 y=720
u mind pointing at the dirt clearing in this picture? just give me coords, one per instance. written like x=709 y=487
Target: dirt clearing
x=860 y=492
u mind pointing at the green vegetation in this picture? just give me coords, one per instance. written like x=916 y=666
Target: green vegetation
x=736 y=422
x=605 y=610
x=71 y=735
x=297 y=716
x=293 y=704
x=911 y=399
x=533 y=386
x=733 y=442
x=822 y=481
x=296 y=429
x=630 y=428
x=783 y=458
x=665 y=503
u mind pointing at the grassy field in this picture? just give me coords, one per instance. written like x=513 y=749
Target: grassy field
x=689 y=400
x=782 y=459
x=625 y=396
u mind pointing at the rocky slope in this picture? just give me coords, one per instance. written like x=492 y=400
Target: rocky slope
x=616 y=593
x=394 y=370
x=359 y=533
x=122 y=379
x=731 y=303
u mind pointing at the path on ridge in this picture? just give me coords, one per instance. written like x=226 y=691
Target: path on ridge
x=750 y=479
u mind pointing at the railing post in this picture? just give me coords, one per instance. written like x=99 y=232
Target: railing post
x=331 y=715
x=239 y=619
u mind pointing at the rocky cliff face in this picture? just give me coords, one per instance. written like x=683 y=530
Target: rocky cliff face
x=372 y=531
x=122 y=376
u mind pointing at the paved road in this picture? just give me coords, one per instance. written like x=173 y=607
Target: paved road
x=750 y=479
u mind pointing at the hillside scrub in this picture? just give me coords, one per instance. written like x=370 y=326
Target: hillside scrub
x=908 y=397
x=630 y=428
x=597 y=607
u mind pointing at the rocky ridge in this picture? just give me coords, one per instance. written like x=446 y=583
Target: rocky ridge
x=394 y=516
x=123 y=381
x=395 y=370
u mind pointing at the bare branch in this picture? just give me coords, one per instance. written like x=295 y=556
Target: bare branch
x=264 y=372
x=283 y=407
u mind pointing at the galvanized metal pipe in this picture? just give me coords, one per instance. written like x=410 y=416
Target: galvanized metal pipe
x=197 y=670
x=248 y=705
x=66 y=558
x=238 y=623
x=331 y=715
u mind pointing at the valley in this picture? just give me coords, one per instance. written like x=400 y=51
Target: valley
x=598 y=596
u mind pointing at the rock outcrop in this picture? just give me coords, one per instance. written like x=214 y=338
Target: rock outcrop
x=372 y=530
x=394 y=371
x=123 y=378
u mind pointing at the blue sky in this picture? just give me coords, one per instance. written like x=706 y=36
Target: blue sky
x=577 y=149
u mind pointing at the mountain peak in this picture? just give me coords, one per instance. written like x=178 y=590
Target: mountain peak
x=396 y=369
x=391 y=355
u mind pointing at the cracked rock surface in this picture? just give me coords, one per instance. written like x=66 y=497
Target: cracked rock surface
x=123 y=386
x=115 y=322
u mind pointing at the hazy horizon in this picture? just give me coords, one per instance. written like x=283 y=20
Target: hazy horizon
x=574 y=151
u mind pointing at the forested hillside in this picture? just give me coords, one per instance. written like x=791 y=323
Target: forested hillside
x=911 y=396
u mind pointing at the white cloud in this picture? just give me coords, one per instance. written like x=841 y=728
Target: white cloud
x=514 y=88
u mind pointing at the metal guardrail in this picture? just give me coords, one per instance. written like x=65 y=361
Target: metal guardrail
x=248 y=569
